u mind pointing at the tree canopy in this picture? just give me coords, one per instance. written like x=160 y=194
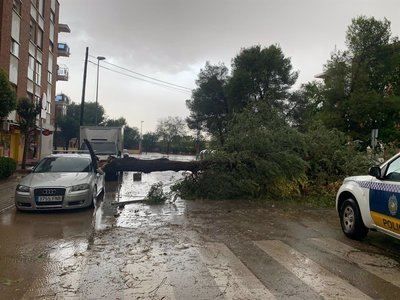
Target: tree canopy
x=209 y=104
x=7 y=95
x=27 y=110
x=361 y=90
x=259 y=75
x=169 y=129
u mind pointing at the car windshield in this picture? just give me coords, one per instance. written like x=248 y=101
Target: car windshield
x=102 y=148
x=64 y=164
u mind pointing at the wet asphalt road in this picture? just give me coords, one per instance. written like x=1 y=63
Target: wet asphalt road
x=190 y=250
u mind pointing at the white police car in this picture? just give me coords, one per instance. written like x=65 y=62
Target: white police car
x=371 y=202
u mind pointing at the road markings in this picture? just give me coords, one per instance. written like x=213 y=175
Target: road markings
x=379 y=265
x=321 y=280
x=233 y=278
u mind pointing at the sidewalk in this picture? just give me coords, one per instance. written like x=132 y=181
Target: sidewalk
x=7 y=189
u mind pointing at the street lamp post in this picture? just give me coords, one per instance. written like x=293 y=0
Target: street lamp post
x=141 y=137
x=99 y=58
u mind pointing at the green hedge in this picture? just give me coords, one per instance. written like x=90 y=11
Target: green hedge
x=7 y=167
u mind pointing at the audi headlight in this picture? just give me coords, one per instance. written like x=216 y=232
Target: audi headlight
x=23 y=188
x=80 y=187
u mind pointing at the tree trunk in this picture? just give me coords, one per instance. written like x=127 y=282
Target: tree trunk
x=147 y=166
x=25 y=152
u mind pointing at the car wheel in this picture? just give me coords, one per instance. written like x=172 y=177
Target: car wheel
x=351 y=221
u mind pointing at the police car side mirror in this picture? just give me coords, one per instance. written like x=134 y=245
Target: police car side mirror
x=375 y=171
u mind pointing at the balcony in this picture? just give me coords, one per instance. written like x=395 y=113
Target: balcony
x=63 y=49
x=64 y=28
x=62 y=73
x=63 y=99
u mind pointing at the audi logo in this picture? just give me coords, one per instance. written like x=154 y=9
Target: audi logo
x=49 y=192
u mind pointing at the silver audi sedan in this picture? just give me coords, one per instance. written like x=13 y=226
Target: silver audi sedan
x=61 y=181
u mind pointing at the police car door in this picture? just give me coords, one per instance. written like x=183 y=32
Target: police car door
x=384 y=197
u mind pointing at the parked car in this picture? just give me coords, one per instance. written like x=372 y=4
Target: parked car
x=371 y=202
x=60 y=181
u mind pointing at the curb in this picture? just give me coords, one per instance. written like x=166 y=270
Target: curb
x=6 y=208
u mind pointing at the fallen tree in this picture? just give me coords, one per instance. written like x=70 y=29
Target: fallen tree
x=146 y=166
x=116 y=165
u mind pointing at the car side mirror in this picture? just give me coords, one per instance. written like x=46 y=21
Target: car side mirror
x=30 y=169
x=375 y=171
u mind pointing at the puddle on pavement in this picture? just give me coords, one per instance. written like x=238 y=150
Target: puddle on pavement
x=135 y=215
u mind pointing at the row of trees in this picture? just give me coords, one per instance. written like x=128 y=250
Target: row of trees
x=360 y=91
x=170 y=136
x=272 y=137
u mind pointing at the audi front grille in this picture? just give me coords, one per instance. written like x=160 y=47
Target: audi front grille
x=49 y=192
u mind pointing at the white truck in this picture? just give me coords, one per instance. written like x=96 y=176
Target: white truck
x=105 y=141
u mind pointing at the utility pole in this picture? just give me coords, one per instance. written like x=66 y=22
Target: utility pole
x=84 y=86
x=99 y=58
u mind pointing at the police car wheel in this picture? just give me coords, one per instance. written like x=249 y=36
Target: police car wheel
x=351 y=221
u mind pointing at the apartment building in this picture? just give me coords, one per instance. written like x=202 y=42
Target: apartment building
x=29 y=52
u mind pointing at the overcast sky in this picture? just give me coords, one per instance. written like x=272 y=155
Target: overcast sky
x=172 y=39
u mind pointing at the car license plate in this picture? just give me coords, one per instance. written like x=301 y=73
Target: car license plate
x=49 y=198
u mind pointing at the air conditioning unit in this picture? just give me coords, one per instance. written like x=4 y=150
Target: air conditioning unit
x=5 y=126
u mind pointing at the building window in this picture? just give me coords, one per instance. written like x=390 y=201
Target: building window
x=31 y=68
x=38 y=73
x=50 y=63
x=13 y=74
x=14 y=49
x=51 y=37
x=40 y=7
x=32 y=30
x=30 y=96
x=49 y=77
x=51 y=46
x=49 y=98
x=15 y=26
x=39 y=38
x=52 y=16
x=17 y=6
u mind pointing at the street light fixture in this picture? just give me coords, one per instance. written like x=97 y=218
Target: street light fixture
x=99 y=58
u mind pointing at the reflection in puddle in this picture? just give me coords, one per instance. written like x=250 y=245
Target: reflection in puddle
x=135 y=215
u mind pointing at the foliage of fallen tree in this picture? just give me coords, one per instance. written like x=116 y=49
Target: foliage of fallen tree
x=156 y=194
x=260 y=151
x=264 y=157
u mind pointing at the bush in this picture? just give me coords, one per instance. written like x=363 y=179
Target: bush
x=331 y=157
x=7 y=167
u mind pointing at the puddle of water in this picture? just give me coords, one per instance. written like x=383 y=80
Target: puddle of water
x=135 y=215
